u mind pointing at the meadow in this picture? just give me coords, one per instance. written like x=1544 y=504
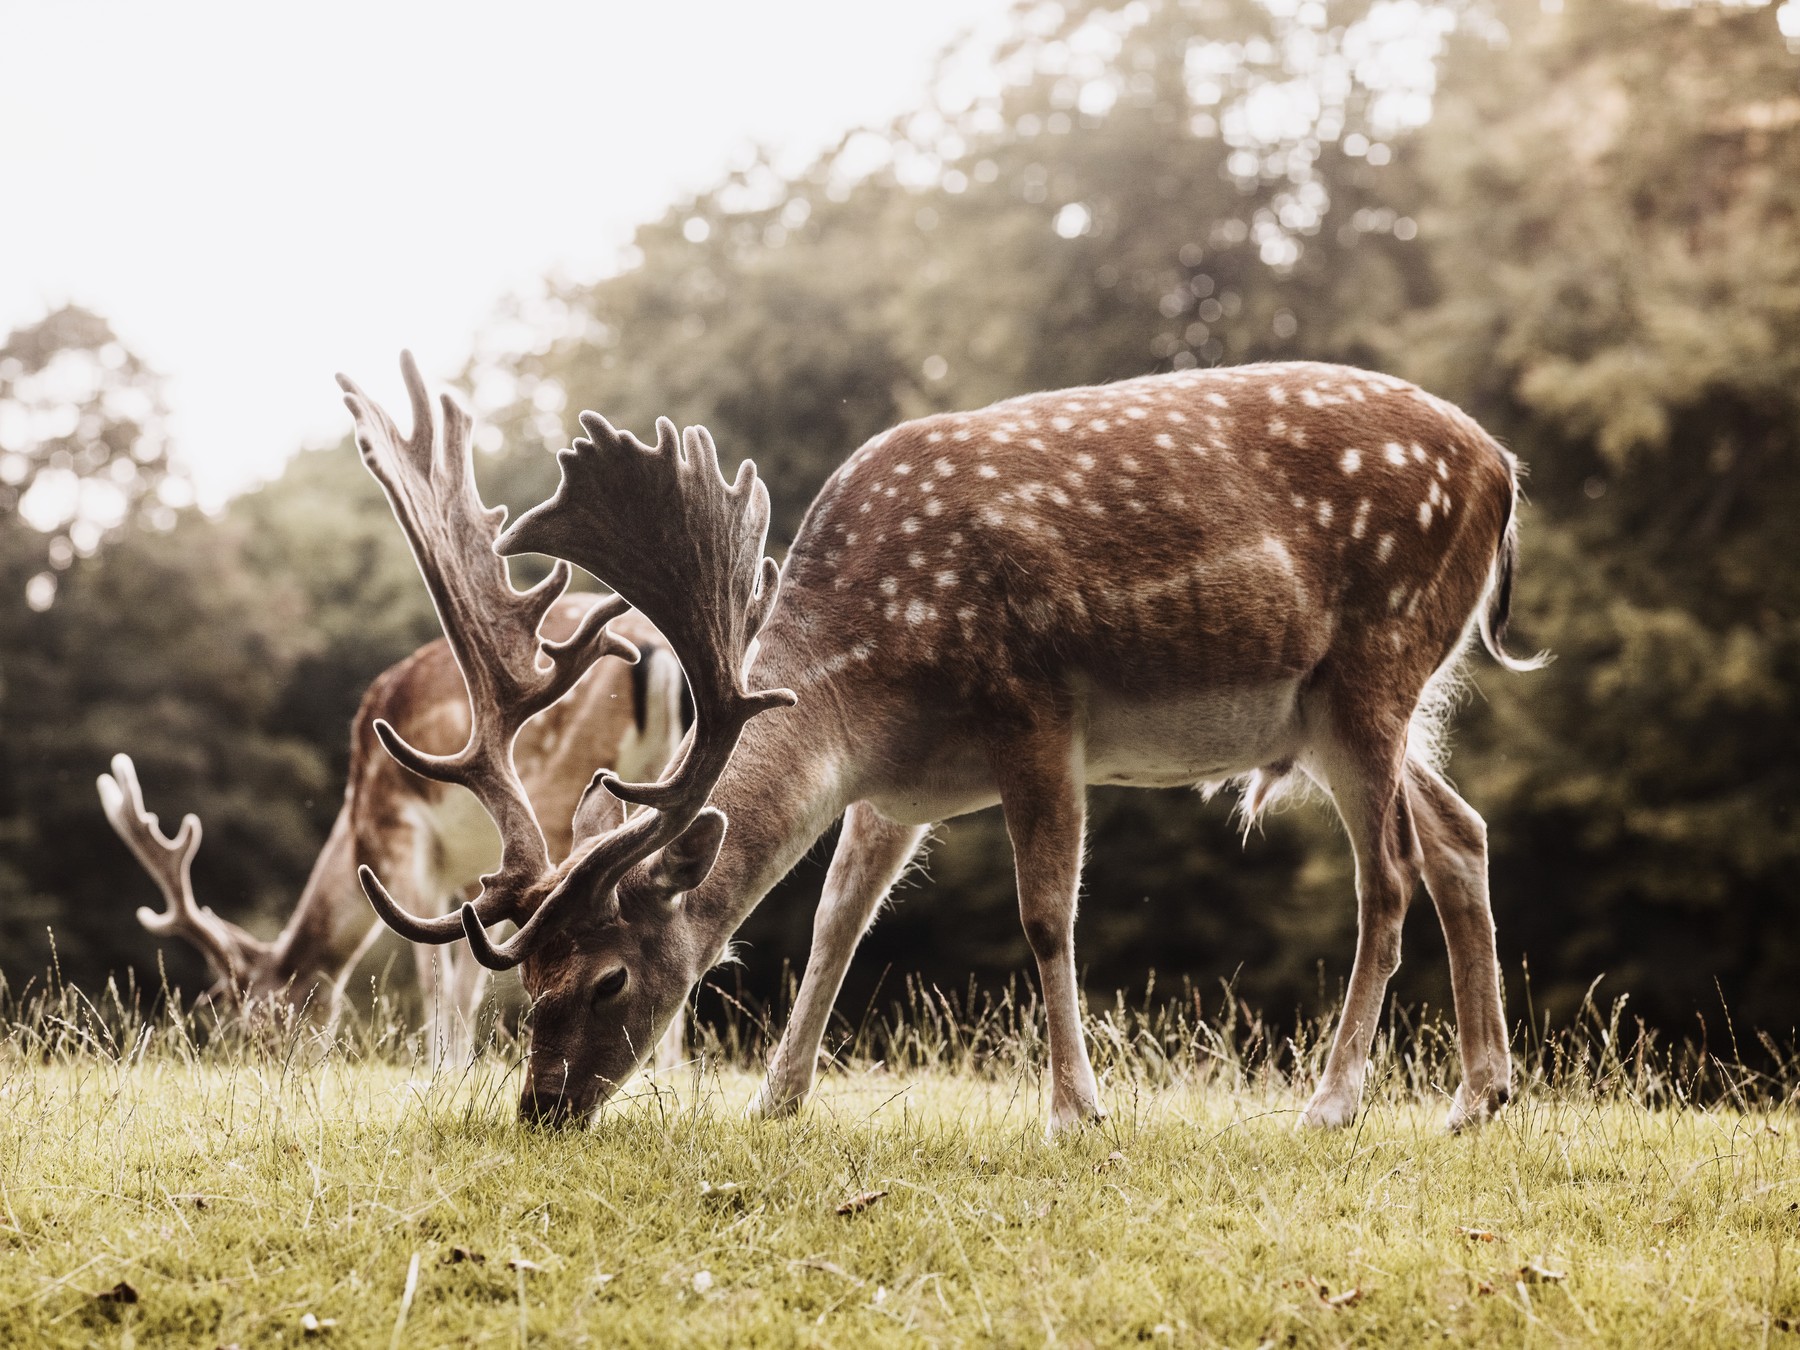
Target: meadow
x=163 y=1182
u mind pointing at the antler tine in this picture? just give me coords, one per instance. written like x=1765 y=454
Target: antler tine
x=511 y=674
x=168 y=861
x=662 y=527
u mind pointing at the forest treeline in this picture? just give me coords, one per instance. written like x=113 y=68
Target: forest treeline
x=1592 y=243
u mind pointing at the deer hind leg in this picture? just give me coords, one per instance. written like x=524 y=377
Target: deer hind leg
x=1044 y=799
x=1364 y=781
x=1454 y=863
x=871 y=854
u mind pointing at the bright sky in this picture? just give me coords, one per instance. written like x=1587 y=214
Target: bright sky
x=258 y=196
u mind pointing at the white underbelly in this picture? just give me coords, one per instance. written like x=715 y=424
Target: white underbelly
x=1193 y=738
x=463 y=842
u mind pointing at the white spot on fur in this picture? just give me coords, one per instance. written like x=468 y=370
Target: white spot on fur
x=910 y=525
x=1099 y=424
x=1130 y=463
x=990 y=515
x=915 y=612
x=1418 y=452
x=1299 y=502
x=1277 y=427
x=1000 y=437
x=1424 y=515
x=1396 y=598
x=945 y=467
x=890 y=586
x=960 y=434
x=1384 y=547
x=1085 y=460
x=934 y=507
x=988 y=471
x=1178 y=418
x=946 y=578
x=1395 y=455
x=1165 y=441
x=935 y=437
x=902 y=469
x=1351 y=461
x=1062 y=423
x=1218 y=400
x=1325 y=511
x=1137 y=414
x=1277 y=394
x=1360 y=525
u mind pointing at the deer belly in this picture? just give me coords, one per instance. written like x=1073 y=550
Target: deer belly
x=464 y=842
x=1192 y=737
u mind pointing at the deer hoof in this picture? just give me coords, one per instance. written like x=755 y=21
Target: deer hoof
x=769 y=1104
x=1066 y=1118
x=1329 y=1110
x=1471 y=1110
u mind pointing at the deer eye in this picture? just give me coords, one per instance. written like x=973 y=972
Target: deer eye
x=610 y=984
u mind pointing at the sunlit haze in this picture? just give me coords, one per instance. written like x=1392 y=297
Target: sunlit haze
x=257 y=197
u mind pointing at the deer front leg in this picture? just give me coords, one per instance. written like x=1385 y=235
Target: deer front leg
x=468 y=986
x=871 y=854
x=1044 y=799
x=1453 y=861
x=1366 y=789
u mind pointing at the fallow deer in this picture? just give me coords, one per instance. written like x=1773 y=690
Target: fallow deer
x=433 y=839
x=1251 y=575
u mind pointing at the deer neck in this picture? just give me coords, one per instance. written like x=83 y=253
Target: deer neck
x=785 y=785
x=331 y=920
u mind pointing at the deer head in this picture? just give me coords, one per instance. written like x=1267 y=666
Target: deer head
x=601 y=944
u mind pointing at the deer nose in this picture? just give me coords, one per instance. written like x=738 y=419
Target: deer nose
x=548 y=1109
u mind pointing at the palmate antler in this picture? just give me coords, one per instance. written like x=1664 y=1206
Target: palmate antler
x=511 y=674
x=661 y=526
x=168 y=862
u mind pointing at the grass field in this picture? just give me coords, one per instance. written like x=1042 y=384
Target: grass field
x=157 y=1191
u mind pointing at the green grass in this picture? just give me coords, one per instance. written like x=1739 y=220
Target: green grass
x=239 y=1189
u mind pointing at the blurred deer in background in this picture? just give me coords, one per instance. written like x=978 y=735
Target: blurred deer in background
x=1252 y=575
x=434 y=840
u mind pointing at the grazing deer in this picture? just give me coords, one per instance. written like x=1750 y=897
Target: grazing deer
x=433 y=839
x=1240 y=574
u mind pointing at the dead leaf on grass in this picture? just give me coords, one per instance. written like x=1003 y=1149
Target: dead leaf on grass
x=122 y=1292
x=520 y=1263
x=856 y=1204
x=1484 y=1288
x=1478 y=1234
x=311 y=1324
x=1110 y=1161
x=1535 y=1272
x=457 y=1255
x=1347 y=1298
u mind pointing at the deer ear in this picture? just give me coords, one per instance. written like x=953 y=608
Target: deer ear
x=597 y=812
x=684 y=864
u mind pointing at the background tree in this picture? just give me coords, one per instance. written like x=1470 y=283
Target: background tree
x=1615 y=228
x=83 y=442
